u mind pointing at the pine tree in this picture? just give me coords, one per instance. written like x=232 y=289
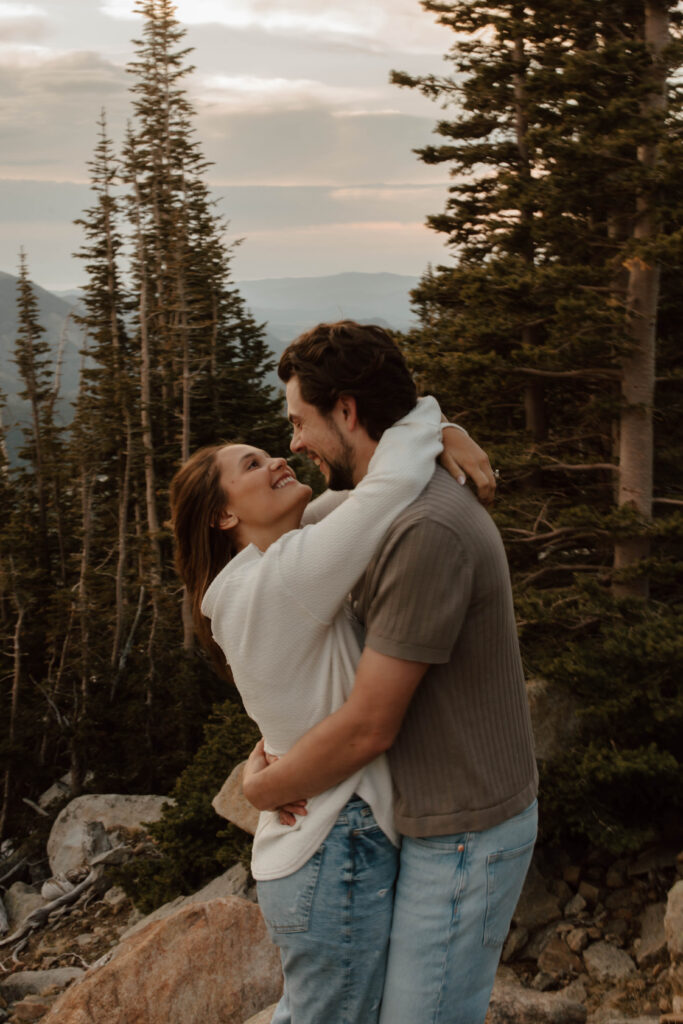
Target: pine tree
x=561 y=137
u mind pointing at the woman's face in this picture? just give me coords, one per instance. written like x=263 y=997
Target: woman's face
x=265 y=499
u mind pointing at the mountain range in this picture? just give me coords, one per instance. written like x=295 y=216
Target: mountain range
x=287 y=306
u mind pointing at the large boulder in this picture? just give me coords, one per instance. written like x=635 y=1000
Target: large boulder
x=231 y=803
x=83 y=829
x=209 y=962
x=232 y=882
x=264 y=1017
x=673 y=928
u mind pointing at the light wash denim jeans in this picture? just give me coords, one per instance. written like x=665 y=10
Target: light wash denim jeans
x=455 y=897
x=331 y=920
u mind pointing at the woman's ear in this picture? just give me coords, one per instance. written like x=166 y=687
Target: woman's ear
x=227 y=520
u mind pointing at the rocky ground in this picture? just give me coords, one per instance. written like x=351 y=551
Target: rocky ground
x=598 y=941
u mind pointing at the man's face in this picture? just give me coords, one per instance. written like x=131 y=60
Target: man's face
x=320 y=438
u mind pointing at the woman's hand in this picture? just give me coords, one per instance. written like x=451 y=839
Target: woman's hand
x=252 y=786
x=462 y=457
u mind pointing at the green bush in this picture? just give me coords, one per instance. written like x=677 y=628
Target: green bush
x=193 y=843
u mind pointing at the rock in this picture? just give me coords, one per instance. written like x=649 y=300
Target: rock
x=80 y=831
x=562 y=890
x=539 y=941
x=590 y=893
x=653 y=860
x=115 y=897
x=209 y=962
x=264 y=1017
x=37 y=983
x=543 y=982
x=29 y=1009
x=558 y=960
x=576 y=906
x=616 y=875
x=616 y=930
x=511 y=1003
x=536 y=906
x=4 y=920
x=553 y=718
x=652 y=935
x=572 y=874
x=231 y=883
x=20 y=901
x=53 y=888
x=231 y=803
x=577 y=940
x=606 y=963
x=515 y=942
x=673 y=921
x=60 y=790
x=576 y=990
x=673 y=929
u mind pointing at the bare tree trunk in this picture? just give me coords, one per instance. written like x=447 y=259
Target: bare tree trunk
x=154 y=546
x=638 y=383
x=534 y=392
x=14 y=707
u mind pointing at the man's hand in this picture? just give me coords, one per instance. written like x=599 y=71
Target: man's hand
x=462 y=456
x=257 y=761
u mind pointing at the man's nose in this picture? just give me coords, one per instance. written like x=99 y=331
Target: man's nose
x=296 y=444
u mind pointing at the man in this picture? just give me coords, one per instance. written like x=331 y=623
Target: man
x=439 y=686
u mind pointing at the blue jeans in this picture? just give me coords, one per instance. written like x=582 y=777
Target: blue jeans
x=331 y=920
x=455 y=897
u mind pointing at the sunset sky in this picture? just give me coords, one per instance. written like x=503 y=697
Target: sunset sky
x=311 y=145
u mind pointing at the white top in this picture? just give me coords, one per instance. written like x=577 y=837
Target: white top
x=280 y=619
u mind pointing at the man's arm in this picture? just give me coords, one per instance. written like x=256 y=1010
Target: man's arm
x=364 y=727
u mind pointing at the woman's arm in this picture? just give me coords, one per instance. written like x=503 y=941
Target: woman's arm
x=319 y=564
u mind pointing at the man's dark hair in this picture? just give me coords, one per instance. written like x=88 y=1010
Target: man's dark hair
x=347 y=358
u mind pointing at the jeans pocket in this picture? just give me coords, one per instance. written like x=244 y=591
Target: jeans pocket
x=505 y=874
x=286 y=903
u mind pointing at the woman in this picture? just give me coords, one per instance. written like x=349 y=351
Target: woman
x=274 y=595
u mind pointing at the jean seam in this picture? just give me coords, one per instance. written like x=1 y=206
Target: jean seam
x=454 y=920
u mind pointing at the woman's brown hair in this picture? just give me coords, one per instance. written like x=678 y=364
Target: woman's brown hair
x=202 y=549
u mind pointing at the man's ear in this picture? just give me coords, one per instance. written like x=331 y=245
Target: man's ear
x=346 y=406
x=227 y=520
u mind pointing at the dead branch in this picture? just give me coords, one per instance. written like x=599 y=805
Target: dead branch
x=35 y=807
x=557 y=467
x=40 y=915
x=666 y=501
x=598 y=373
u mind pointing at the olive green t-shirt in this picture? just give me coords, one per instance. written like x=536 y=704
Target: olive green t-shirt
x=438 y=591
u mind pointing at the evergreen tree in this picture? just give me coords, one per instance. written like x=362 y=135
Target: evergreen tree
x=566 y=124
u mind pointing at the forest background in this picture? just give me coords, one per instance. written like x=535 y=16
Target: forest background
x=553 y=334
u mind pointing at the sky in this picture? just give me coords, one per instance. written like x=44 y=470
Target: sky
x=311 y=146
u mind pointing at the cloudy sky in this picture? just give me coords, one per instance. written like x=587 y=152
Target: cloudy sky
x=311 y=146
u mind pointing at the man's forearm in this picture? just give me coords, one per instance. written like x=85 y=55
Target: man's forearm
x=328 y=753
x=343 y=742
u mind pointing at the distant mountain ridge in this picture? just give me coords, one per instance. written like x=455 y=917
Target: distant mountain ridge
x=288 y=306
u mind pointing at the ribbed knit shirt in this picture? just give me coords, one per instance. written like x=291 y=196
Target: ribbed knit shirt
x=281 y=620
x=438 y=591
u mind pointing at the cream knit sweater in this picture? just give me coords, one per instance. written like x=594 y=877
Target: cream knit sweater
x=281 y=621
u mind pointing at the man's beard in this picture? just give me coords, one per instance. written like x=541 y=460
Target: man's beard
x=341 y=471
x=341 y=476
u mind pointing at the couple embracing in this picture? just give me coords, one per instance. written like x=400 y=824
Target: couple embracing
x=371 y=634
